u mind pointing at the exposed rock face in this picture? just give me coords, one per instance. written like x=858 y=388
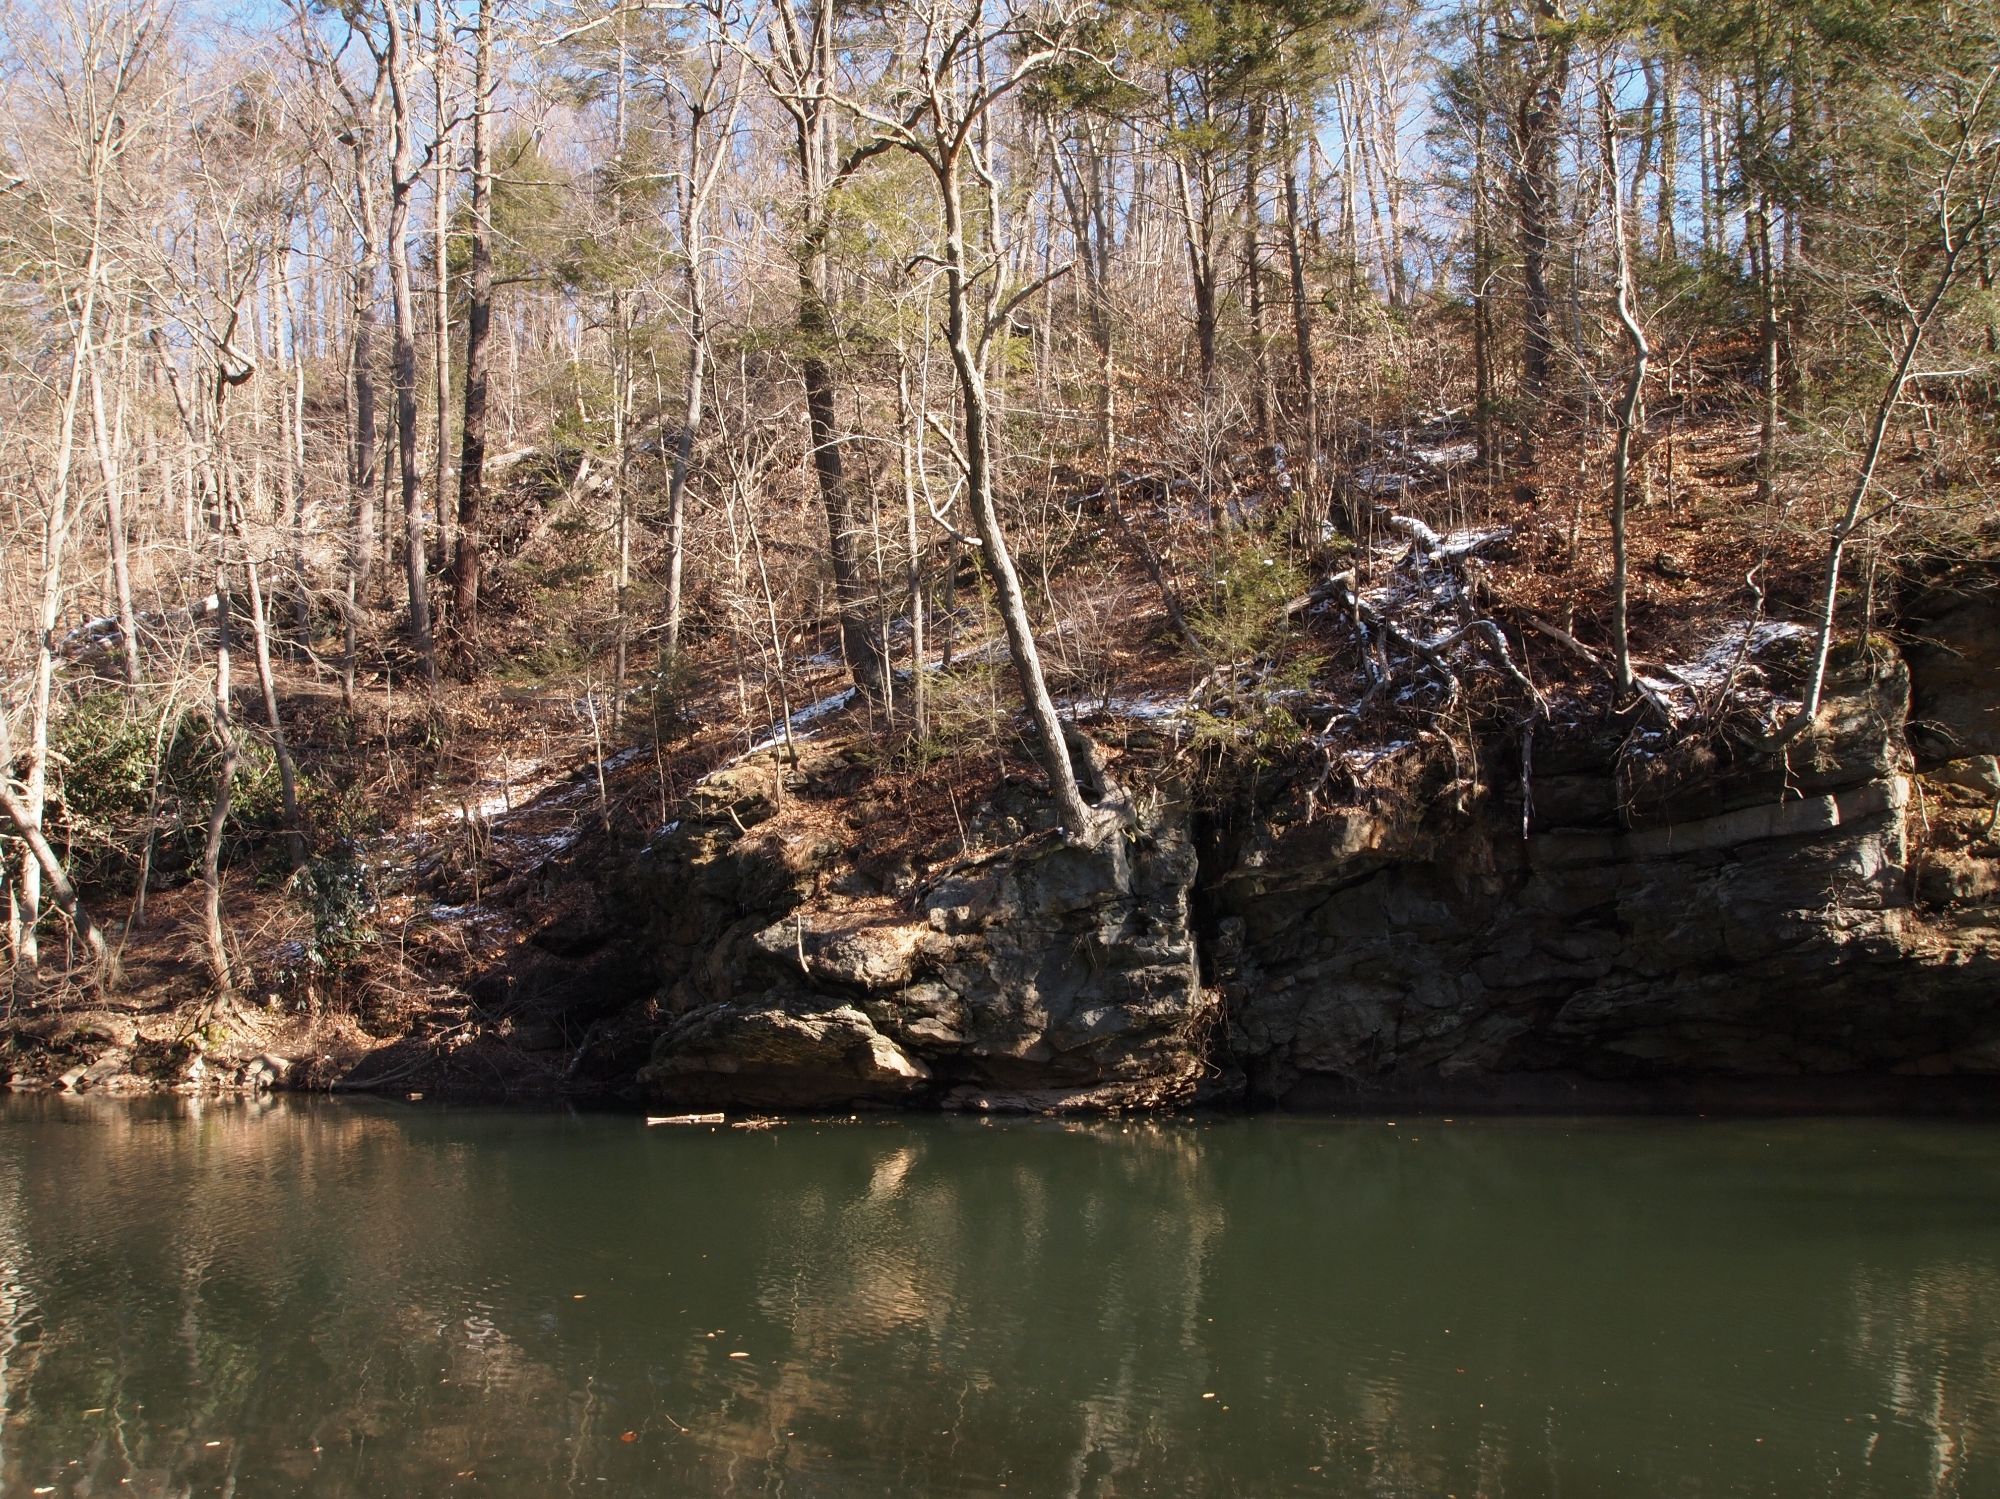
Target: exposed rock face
x=768 y=1057
x=1758 y=924
x=1708 y=913
x=1046 y=974
x=1955 y=659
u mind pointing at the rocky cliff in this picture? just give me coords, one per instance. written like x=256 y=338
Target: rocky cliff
x=1042 y=973
x=1618 y=915
x=1660 y=909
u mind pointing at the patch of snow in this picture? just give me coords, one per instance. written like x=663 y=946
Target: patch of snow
x=810 y=714
x=92 y=631
x=1446 y=454
x=546 y=844
x=1152 y=706
x=1466 y=542
x=1372 y=478
x=1710 y=669
x=660 y=835
x=978 y=655
x=472 y=914
x=1149 y=707
x=517 y=783
x=1427 y=540
x=1722 y=652
x=1360 y=761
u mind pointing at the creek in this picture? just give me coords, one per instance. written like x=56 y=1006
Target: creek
x=313 y=1297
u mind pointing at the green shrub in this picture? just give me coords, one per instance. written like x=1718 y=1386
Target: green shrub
x=962 y=713
x=1251 y=577
x=102 y=786
x=336 y=892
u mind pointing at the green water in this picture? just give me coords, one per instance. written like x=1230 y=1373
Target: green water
x=391 y=1300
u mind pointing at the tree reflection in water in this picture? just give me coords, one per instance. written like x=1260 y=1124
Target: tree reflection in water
x=329 y=1299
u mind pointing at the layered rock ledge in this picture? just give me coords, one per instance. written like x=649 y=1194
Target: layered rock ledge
x=1815 y=927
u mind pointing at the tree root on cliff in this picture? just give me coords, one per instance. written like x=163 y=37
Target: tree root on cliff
x=1432 y=651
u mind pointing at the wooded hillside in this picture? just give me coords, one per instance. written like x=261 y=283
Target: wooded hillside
x=390 y=386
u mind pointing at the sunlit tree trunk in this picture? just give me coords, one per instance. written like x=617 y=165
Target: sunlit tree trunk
x=403 y=175
x=478 y=333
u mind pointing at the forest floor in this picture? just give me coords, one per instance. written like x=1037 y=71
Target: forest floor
x=487 y=806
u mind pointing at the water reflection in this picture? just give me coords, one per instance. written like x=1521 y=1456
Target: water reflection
x=311 y=1298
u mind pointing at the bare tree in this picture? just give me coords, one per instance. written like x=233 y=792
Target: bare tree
x=799 y=68
x=713 y=100
x=1543 y=50
x=84 y=86
x=1964 y=156
x=395 y=60
x=958 y=80
x=1629 y=402
x=478 y=330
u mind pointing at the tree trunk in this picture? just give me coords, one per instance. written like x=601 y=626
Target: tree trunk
x=55 y=539
x=1302 y=330
x=1090 y=226
x=288 y=775
x=109 y=470
x=622 y=386
x=808 y=74
x=441 y=254
x=909 y=424
x=1668 y=201
x=1262 y=400
x=699 y=185
x=365 y=473
x=1767 y=351
x=225 y=790
x=967 y=357
x=1197 y=236
x=691 y=397
x=50 y=870
x=478 y=328
x=1919 y=318
x=1537 y=191
x=402 y=181
x=294 y=434
x=1628 y=407
x=865 y=660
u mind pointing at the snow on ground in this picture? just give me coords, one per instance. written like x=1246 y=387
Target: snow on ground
x=1149 y=707
x=1713 y=664
x=800 y=722
x=1679 y=686
x=1446 y=454
x=1470 y=541
x=1360 y=761
x=508 y=785
x=470 y=914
